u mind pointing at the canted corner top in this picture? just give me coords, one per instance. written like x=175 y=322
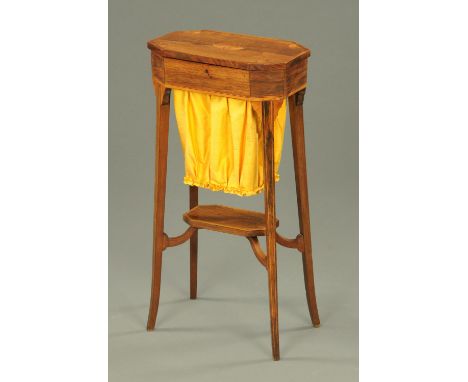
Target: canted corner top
x=229 y=49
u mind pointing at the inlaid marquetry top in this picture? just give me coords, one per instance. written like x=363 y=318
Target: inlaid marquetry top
x=229 y=64
x=229 y=49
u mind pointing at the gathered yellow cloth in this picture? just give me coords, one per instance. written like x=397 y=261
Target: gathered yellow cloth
x=222 y=141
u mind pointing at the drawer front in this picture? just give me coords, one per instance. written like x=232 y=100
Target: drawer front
x=206 y=78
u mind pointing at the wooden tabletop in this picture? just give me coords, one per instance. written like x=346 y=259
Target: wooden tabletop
x=229 y=49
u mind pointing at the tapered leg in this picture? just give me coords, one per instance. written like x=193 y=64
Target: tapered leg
x=193 y=247
x=297 y=134
x=163 y=96
x=269 y=168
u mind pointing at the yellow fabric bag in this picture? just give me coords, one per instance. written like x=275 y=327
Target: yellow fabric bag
x=222 y=141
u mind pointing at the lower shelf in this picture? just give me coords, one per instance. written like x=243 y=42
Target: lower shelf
x=227 y=219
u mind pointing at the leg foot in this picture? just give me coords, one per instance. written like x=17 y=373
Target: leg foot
x=155 y=292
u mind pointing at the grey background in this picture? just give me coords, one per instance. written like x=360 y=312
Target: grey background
x=224 y=335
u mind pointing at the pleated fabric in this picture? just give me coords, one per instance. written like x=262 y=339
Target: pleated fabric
x=222 y=141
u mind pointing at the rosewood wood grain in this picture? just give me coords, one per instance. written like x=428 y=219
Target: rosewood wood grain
x=178 y=240
x=193 y=202
x=229 y=49
x=157 y=65
x=228 y=64
x=296 y=77
x=300 y=171
x=257 y=250
x=267 y=83
x=162 y=130
x=212 y=79
x=270 y=218
x=231 y=220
